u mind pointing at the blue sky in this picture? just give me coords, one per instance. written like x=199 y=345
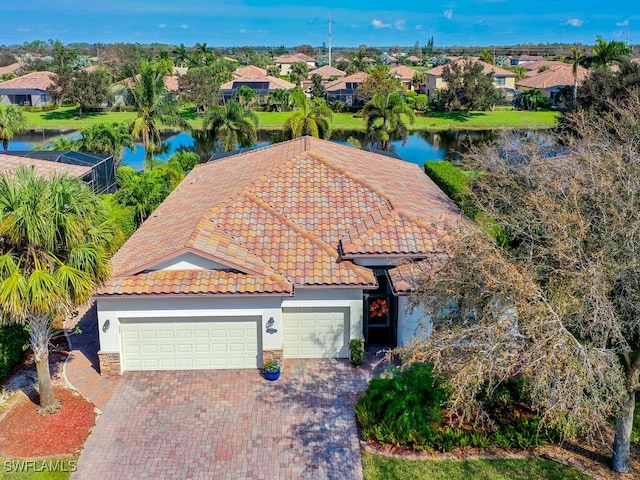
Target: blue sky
x=295 y=22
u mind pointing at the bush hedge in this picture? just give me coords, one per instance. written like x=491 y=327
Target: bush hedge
x=454 y=182
x=45 y=108
x=407 y=410
x=13 y=341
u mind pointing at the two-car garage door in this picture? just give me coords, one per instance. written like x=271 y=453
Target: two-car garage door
x=189 y=343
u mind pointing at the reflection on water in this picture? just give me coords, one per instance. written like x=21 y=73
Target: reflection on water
x=418 y=148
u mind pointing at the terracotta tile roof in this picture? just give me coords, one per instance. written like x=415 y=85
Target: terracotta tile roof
x=486 y=68
x=403 y=72
x=558 y=74
x=248 y=71
x=178 y=282
x=293 y=58
x=288 y=209
x=327 y=72
x=413 y=58
x=31 y=81
x=274 y=82
x=42 y=168
x=13 y=68
x=170 y=81
x=341 y=83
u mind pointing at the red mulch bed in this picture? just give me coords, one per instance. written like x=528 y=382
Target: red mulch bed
x=26 y=434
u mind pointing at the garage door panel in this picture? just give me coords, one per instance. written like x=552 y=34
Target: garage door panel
x=316 y=332
x=202 y=343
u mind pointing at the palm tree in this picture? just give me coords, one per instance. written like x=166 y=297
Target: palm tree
x=313 y=117
x=279 y=99
x=531 y=99
x=180 y=55
x=357 y=60
x=486 y=56
x=384 y=118
x=155 y=106
x=106 y=139
x=54 y=249
x=245 y=95
x=576 y=59
x=232 y=124
x=419 y=79
x=12 y=122
x=607 y=53
x=521 y=72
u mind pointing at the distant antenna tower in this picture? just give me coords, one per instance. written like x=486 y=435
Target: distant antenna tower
x=329 y=39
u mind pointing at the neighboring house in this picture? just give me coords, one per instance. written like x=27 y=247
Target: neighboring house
x=552 y=79
x=344 y=89
x=10 y=69
x=327 y=73
x=286 y=251
x=502 y=78
x=393 y=61
x=171 y=82
x=284 y=62
x=405 y=75
x=524 y=59
x=29 y=90
x=263 y=85
x=248 y=71
x=97 y=170
x=413 y=60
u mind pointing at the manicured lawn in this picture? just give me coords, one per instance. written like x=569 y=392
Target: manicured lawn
x=54 y=469
x=65 y=118
x=383 y=468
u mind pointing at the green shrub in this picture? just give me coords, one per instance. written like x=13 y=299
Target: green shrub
x=454 y=182
x=405 y=409
x=13 y=341
x=124 y=218
x=356 y=351
x=45 y=108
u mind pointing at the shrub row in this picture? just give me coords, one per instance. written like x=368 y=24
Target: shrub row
x=406 y=410
x=13 y=341
x=45 y=108
x=454 y=182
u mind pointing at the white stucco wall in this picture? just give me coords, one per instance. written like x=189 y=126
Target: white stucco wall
x=189 y=261
x=412 y=323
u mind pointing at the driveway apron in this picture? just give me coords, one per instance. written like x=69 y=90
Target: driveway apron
x=229 y=424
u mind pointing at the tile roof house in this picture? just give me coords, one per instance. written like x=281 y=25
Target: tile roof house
x=344 y=89
x=30 y=89
x=262 y=84
x=404 y=74
x=11 y=69
x=274 y=252
x=284 y=62
x=327 y=72
x=248 y=71
x=550 y=77
x=503 y=78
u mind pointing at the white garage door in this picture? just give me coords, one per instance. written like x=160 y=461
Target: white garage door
x=189 y=343
x=312 y=332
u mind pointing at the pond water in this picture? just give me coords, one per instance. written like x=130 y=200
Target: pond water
x=418 y=148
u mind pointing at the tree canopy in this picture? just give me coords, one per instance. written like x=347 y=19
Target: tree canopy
x=468 y=87
x=556 y=302
x=232 y=124
x=12 y=122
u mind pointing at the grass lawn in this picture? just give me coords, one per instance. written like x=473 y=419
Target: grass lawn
x=65 y=118
x=54 y=469
x=383 y=468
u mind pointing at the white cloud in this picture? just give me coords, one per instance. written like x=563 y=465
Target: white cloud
x=574 y=22
x=23 y=29
x=243 y=31
x=162 y=25
x=448 y=14
x=624 y=23
x=353 y=25
x=184 y=26
x=379 y=24
x=418 y=27
x=399 y=24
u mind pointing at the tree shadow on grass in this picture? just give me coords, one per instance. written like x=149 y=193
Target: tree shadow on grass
x=70 y=114
x=189 y=114
x=458 y=117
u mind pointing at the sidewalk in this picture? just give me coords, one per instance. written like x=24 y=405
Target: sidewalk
x=82 y=366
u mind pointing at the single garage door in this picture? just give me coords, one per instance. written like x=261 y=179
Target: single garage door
x=189 y=343
x=315 y=332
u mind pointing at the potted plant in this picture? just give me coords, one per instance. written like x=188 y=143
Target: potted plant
x=356 y=351
x=272 y=370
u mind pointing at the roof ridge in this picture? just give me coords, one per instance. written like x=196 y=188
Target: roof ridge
x=328 y=249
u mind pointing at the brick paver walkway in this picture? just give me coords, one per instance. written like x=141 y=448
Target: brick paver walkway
x=229 y=424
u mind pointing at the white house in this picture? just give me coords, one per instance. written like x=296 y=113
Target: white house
x=287 y=251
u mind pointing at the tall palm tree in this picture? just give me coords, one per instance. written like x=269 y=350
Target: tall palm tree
x=608 y=53
x=384 y=118
x=279 y=99
x=232 y=124
x=576 y=59
x=245 y=95
x=312 y=117
x=156 y=106
x=181 y=55
x=54 y=249
x=12 y=122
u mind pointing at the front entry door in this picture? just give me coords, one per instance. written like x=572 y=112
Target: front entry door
x=381 y=314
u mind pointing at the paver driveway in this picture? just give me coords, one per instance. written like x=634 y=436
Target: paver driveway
x=229 y=424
